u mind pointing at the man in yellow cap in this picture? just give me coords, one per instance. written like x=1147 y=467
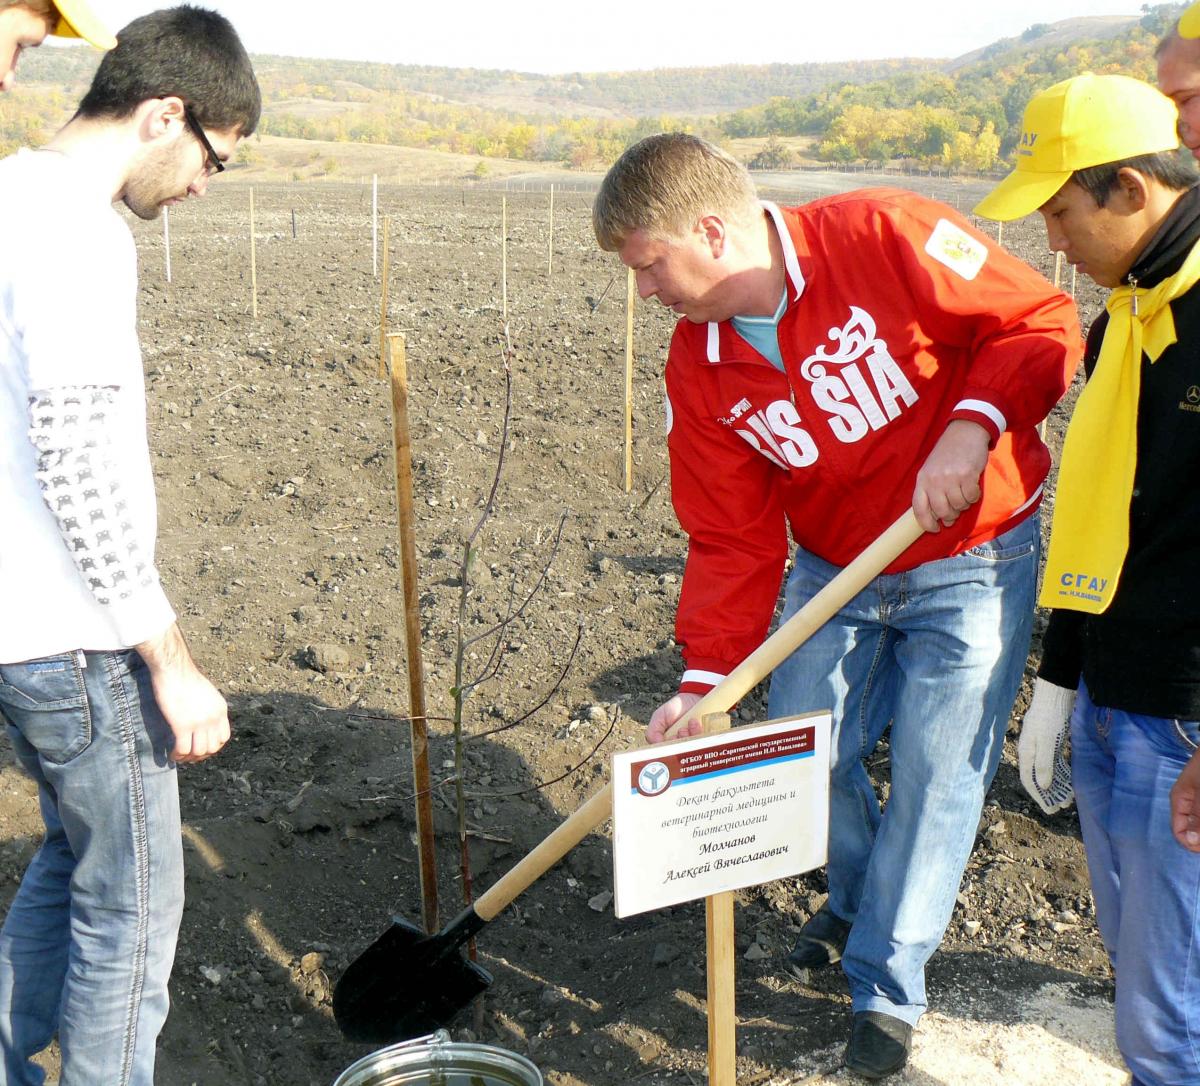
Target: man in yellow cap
x=1120 y=671
x=25 y=23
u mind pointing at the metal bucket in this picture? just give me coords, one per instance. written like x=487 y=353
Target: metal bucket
x=437 y=1061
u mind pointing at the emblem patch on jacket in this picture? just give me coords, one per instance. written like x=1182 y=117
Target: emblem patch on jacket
x=954 y=247
x=857 y=384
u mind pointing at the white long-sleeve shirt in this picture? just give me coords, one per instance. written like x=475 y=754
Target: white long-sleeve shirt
x=77 y=508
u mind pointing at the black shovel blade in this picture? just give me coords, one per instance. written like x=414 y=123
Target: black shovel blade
x=407 y=984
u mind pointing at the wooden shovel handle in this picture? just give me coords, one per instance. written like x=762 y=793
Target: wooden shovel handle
x=748 y=674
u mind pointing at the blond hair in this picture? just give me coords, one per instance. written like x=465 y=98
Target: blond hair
x=663 y=184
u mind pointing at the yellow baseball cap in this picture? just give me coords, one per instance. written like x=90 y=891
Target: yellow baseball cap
x=77 y=20
x=1085 y=121
x=1189 y=22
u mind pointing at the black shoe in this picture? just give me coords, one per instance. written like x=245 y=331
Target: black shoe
x=822 y=940
x=879 y=1044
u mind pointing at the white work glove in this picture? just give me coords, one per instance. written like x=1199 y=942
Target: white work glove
x=1045 y=772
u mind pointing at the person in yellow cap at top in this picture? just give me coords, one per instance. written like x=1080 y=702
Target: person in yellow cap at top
x=1120 y=672
x=24 y=24
x=1179 y=74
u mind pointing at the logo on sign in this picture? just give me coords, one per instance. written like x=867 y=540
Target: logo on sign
x=654 y=777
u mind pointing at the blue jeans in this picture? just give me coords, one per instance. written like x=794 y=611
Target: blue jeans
x=87 y=946
x=1145 y=884
x=937 y=652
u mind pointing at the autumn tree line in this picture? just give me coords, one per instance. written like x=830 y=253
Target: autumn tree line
x=925 y=113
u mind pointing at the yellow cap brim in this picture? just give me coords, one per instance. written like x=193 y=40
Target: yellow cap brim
x=77 y=20
x=1021 y=193
x=1189 y=22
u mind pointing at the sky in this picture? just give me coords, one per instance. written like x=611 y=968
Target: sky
x=619 y=35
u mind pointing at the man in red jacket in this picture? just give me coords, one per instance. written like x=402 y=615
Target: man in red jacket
x=836 y=363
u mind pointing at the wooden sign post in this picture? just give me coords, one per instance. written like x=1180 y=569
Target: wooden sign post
x=630 y=299
x=705 y=816
x=402 y=443
x=719 y=944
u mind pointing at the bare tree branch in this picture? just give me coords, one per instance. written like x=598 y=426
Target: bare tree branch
x=553 y=780
x=533 y=591
x=541 y=704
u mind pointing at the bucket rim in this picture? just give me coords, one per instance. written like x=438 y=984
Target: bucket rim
x=438 y=1051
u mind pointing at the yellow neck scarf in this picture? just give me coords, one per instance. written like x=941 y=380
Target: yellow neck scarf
x=1090 y=533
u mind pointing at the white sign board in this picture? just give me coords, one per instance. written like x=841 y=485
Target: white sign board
x=719 y=812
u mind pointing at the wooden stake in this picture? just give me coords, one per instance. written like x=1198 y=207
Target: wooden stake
x=550 y=247
x=293 y=224
x=383 y=304
x=412 y=631
x=504 y=256
x=630 y=299
x=253 y=264
x=1000 y=234
x=167 y=239
x=719 y=940
x=375 y=225
x=1074 y=270
x=1058 y=270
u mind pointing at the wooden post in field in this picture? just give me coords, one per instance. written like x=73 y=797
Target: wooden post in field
x=412 y=631
x=719 y=940
x=504 y=256
x=293 y=224
x=550 y=247
x=253 y=263
x=630 y=298
x=1058 y=270
x=383 y=336
x=167 y=239
x=375 y=225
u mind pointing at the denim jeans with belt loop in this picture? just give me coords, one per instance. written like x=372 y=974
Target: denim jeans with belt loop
x=937 y=653
x=87 y=946
x=1146 y=885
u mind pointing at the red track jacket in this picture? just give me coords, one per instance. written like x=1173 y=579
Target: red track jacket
x=900 y=318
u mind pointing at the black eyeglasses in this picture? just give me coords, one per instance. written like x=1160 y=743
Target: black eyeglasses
x=212 y=164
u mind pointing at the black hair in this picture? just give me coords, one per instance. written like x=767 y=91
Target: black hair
x=1168 y=168
x=185 y=52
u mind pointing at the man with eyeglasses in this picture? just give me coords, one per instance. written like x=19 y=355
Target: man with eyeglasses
x=24 y=24
x=100 y=694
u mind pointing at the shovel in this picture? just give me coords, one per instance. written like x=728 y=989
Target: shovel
x=407 y=983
